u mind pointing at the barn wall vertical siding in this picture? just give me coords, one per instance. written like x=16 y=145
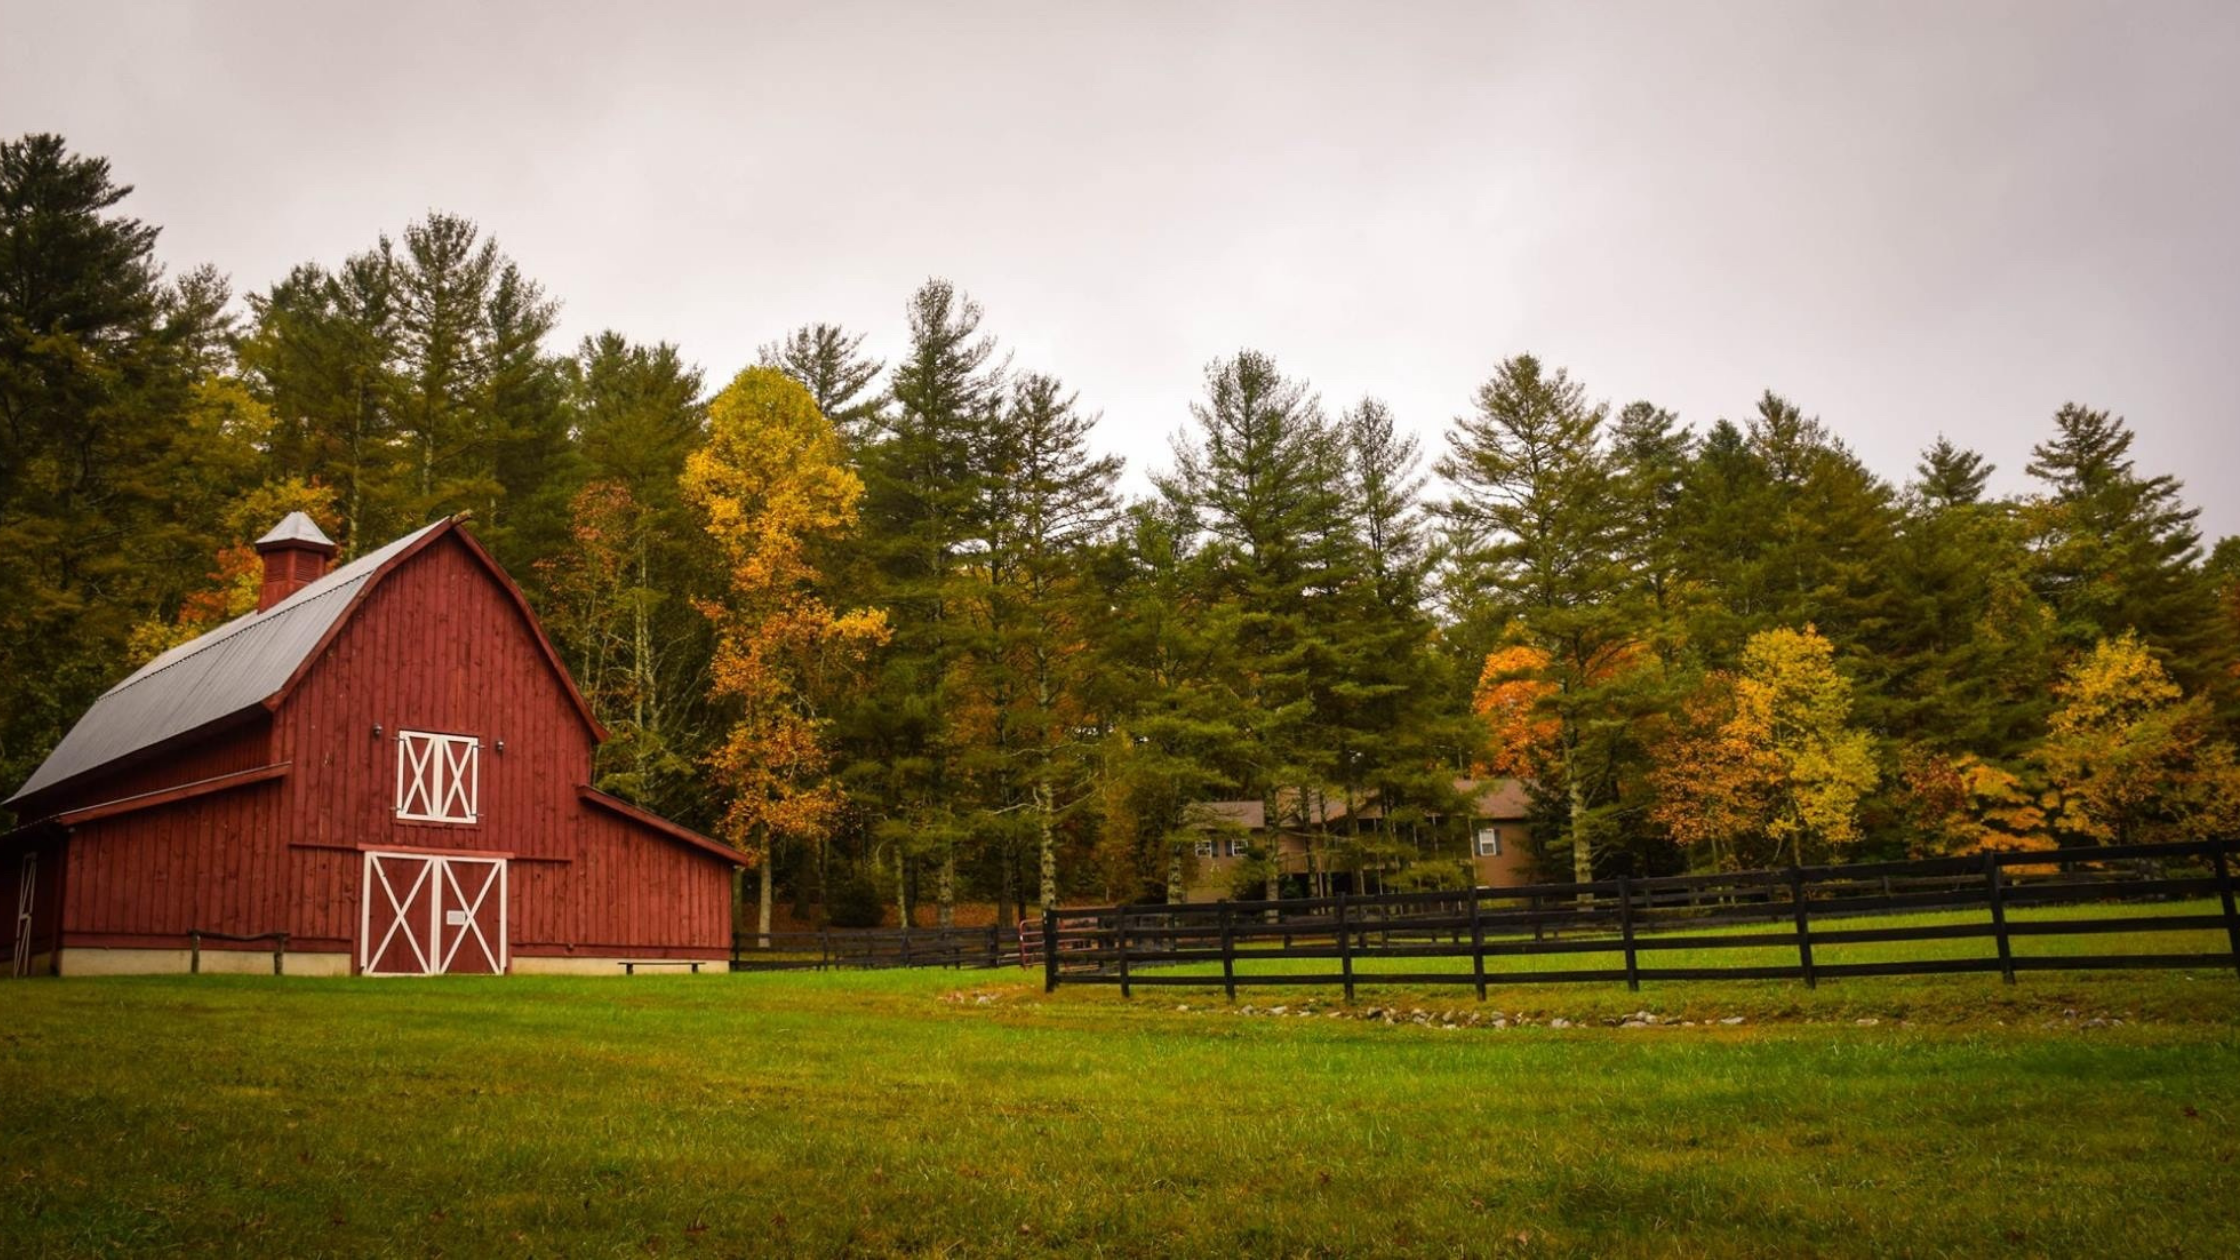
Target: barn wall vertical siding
x=436 y=646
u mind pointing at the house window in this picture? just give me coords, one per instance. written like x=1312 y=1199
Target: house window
x=1237 y=846
x=439 y=777
x=1489 y=842
x=1205 y=848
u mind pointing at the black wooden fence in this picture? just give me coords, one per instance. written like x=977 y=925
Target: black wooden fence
x=1634 y=922
x=836 y=949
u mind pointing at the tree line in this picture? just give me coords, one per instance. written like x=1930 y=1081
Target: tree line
x=892 y=627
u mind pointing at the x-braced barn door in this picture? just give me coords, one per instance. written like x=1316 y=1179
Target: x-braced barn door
x=29 y=873
x=425 y=915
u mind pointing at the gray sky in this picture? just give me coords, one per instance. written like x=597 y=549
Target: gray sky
x=1910 y=218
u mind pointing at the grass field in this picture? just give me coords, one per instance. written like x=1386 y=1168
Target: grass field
x=963 y=1113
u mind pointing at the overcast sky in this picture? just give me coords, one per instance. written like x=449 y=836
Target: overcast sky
x=1910 y=218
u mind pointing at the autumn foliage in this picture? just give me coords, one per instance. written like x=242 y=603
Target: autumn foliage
x=1764 y=763
x=770 y=482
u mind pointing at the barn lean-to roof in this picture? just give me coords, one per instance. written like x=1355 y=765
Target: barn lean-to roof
x=250 y=662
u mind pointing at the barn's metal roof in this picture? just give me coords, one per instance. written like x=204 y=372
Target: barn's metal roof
x=233 y=668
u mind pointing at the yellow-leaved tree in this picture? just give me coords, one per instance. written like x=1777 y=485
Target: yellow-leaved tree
x=1766 y=763
x=2130 y=755
x=770 y=482
x=1791 y=697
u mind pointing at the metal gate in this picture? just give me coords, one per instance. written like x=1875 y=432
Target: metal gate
x=424 y=914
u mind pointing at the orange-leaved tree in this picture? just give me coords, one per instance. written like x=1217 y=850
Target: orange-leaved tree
x=1713 y=779
x=1767 y=755
x=772 y=481
x=1512 y=701
x=1959 y=803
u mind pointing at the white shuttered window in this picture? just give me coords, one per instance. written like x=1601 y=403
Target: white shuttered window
x=439 y=777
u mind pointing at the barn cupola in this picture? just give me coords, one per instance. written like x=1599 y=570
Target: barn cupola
x=295 y=555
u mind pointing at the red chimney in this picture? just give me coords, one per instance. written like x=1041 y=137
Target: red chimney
x=295 y=555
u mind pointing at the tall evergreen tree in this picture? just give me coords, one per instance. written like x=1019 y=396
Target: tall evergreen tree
x=1048 y=498
x=1262 y=476
x=106 y=498
x=1384 y=692
x=829 y=362
x=2120 y=552
x=1535 y=485
x=922 y=495
x=618 y=593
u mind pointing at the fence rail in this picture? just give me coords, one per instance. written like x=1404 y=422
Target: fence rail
x=1632 y=922
x=837 y=949
x=196 y=936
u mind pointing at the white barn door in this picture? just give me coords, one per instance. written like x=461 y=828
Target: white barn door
x=26 y=884
x=425 y=914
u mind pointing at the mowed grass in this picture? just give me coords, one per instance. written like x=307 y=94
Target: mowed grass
x=964 y=1113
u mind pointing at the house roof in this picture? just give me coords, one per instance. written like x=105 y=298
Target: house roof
x=1498 y=798
x=1501 y=799
x=250 y=662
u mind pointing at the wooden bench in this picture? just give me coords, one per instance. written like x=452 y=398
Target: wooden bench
x=630 y=965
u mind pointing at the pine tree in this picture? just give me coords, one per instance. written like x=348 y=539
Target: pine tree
x=1261 y=475
x=1048 y=499
x=1165 y=693
x=922 y=497
x=1535 y=486
x=1967 y=661
x=1383 y=691
x=107 y=500
x=828 y=361
x=1650 y=454
x=320 y=354
x=2119 y=552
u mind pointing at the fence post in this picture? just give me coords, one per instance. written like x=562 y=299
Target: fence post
x=1625 y=932
x=1050 y=950
x=194 y=953
x=1477 y=946
x=824 y=949
x=2224 y=891
x=1536 y=927
x=279 y=951
x=1345 y=947
x=1997 y=894
x=905 y=942
x=1228 y=952
x=1120 y=939
x=1804 y=928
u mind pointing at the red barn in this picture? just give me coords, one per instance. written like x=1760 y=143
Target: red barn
x=388 y=763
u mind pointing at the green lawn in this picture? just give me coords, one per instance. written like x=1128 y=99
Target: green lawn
x=901 y=1112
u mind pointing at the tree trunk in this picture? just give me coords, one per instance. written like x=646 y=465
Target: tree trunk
x=762 y=899
x=1010 y=895
x=1176 y=893
x=1582 y=849
x=1045 y=819
x=946 y=890
x=901 y=889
